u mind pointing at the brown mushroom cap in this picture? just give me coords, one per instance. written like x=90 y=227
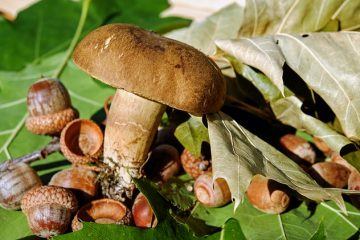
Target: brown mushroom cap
x=153 y=67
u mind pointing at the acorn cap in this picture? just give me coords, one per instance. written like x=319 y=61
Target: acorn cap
x=103 y=211
x=49 y=195
x=153 y=67
x=81 y=141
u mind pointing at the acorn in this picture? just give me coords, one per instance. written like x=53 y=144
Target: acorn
x=211 y=193
x=102 y=211
x=82 y=181
x=164 y=163
x=15 y=181
x=142 y=212
x=330 y=174
x=267 y=195
x=81 y=141
x=49 y=107
x=298 y=149
x=48 y=210
x=195 y=166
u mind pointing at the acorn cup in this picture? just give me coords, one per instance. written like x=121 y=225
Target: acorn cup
x=15 y=181
x=195 y=166
x=102 y=211
x=49 y=107
x=81 y=141
x=49 y=210
x=81 y=180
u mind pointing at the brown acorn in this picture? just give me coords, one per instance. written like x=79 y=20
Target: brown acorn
x=82 y=181
x=15 y=181
x=142 y=212
x=81 y=141
x=330 y=174
x=48 y=210
x=194 y=166
x=298 y=149
x=211 y=193
x=49 y=107
x=267 y=195
x=102 y=211
x=164 y=163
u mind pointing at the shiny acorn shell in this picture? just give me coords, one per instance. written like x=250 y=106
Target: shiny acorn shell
x=49 y=209
x=15 y=181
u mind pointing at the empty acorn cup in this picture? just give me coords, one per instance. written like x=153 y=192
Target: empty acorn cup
x=102 y=211
x=81 y=141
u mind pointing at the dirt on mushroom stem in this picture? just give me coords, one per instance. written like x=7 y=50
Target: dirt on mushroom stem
x=130 y=129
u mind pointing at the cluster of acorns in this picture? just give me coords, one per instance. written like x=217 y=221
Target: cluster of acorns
x=325 y=166
x=50 y=209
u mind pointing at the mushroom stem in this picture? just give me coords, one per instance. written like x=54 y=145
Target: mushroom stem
x=130 y=129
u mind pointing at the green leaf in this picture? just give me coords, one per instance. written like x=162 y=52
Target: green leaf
x=223 y=24
x=320 y=233
x=176 y=191
x=216 y=217
x=232 y=230
x=191 y=134
x=237 y=155
x=321 y=59
x=332 y=218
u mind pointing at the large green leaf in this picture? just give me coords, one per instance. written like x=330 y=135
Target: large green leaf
x=328 y=63
x=238 y=155
x=300 y=223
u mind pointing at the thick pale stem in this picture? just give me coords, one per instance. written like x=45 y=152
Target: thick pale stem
x=130 y=129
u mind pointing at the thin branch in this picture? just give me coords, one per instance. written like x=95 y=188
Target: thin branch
x=51 y=147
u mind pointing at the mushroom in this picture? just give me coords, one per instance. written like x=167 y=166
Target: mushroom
x=150 y=72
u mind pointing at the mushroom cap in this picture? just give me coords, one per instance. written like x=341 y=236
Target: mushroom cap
x=152 y=66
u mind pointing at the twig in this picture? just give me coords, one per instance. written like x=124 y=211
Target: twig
x=51 y=147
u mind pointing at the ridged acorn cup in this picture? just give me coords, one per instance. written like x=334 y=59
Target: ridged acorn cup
x=142 y=212
x=211 y=193
x=48 y=210
x=15 y=181
x=49 y=107
x=102 y=211
x=82 y=181
x=194 y=166
x=267 y=195
x=81 y=141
